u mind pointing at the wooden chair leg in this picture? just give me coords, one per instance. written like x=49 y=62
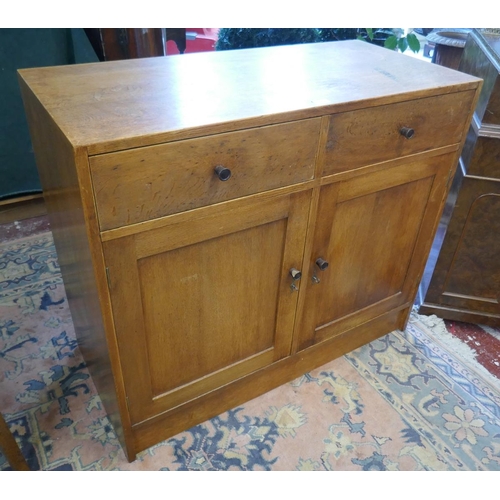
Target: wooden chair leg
x=10 y=449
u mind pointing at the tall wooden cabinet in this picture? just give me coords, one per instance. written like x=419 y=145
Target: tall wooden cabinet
x=462 y=278
x=218 y=240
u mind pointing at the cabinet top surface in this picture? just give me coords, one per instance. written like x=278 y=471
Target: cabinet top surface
x=116 y=105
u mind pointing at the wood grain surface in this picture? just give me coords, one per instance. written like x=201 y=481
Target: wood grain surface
x=147 y=183
x=121 y=104
x=214 y=275
x=373 y=135
x=370 y=229
x=65 y=178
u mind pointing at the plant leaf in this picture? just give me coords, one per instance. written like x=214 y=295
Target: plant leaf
x=413 y=42
x=369 y=32
x=391 y=42
x=402 y=44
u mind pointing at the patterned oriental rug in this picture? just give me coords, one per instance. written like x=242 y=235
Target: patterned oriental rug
x=404 y=402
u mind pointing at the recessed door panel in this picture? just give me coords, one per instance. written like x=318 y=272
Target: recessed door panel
x=200 y=313
x=370 y=246
x=371 y=230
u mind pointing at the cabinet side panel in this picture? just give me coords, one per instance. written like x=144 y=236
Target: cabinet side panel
x=58 y=165
x=477 y=254
x=467 y=274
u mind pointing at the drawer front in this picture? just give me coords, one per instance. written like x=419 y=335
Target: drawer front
x=145 y=183
x=372 y=135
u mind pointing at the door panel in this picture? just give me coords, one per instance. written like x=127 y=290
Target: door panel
x=369 y=229
x=212 y=299
x=211 y=321
x=370 y=246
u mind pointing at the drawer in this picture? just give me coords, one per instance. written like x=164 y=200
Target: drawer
x=372 y=135
x=145 y=183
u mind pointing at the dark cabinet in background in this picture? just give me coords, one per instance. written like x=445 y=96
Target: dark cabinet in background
x=112 y=44
x=463 y=277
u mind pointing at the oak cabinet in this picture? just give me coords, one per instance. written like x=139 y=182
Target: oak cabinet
x=216 y=242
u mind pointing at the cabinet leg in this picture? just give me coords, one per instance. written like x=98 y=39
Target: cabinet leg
x=10 y=449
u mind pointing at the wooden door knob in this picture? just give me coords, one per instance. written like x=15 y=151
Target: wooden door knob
x=321 y=263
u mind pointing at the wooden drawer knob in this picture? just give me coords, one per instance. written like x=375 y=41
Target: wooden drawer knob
x=407 y=132
x=222 y=173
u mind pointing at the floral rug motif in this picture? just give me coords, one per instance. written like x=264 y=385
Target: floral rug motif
x=402 y=402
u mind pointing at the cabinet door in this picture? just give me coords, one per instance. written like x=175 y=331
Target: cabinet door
x=205 y=299
x=374 y=231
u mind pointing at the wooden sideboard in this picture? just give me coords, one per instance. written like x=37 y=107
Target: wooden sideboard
x=463 y=272
x=220 y=238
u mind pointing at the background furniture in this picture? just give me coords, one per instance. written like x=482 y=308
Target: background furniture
x=218 y=241
x=112 y=44
x=465 y=264
x=449 y=45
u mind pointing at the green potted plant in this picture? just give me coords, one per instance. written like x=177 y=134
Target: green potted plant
x=240 y=38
